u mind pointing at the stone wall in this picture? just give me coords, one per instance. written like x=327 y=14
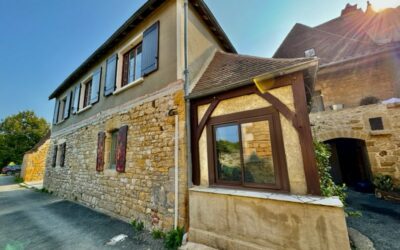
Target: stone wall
x=34 y=162
x=348 y=83
x=383 y=146
x=146 y=190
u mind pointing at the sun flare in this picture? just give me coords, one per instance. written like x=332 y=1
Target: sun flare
x=380 y=5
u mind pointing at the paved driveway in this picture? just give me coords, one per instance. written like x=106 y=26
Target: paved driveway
x=380 y=220
x=34 y=220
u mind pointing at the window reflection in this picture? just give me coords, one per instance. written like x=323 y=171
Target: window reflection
x=228 y=153
x=257 y=153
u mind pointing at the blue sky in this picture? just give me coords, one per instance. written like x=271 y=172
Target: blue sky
x=43 y=41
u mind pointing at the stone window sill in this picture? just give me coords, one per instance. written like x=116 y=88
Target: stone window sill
x=305 y=199
x=381 y=132
x=129 y=85
x=84 y=109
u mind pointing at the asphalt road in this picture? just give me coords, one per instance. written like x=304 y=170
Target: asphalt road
x=35 y=220
x=380 y=220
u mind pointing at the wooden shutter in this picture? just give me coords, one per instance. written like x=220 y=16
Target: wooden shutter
x=62 y=157
x=67 y=107
x=101 y=138
x=150 y=49
x=121 y=148
x=95 y=90
x=111 y=73
x=56 y=110
x=54 y=158
x=125 y=69
x=75 y=102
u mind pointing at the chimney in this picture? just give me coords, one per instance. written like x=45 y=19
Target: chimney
x=370 y=9
x=349 y=9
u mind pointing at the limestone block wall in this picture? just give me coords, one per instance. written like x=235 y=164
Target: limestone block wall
x=383 y=146
x=146 y=190
x=34 y=163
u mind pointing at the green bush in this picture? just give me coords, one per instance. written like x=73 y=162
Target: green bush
x=173 y=239
x=158 y=234
x=383 y=182
x=328 y=187
x=137 y=225
x=18 y=179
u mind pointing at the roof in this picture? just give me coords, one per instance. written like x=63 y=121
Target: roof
x=40 y=143
x=129 y=25
x=353 y=34
x=228 y=71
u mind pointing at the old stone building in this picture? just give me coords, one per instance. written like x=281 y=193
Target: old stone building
x=359 y=54
x=135 y=137
x=34 y=162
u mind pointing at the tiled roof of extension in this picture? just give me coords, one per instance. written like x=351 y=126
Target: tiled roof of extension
x=228 y=71
x=351 y=35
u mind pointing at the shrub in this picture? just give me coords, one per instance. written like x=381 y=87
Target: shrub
x=369 y=100
x=328 y=187
x=137 y=225
x=158 y=234
x=173 y=239
x=18 y=179
x=383 y=182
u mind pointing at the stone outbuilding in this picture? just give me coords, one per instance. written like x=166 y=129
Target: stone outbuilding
x=354 y=100
x=34 y=162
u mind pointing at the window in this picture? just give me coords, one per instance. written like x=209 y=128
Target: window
x=247 y=150
x=86 y=96
x=376 y=123
x=62 y=107
x=132 y=65
x=113 y=149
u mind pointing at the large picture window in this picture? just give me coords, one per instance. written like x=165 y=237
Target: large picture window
x=247 y=150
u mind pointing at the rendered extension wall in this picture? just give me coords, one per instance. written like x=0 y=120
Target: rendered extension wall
x=229 y=218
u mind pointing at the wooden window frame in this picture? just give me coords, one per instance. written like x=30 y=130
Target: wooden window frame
x=269 y=114
x=87 y=93
x=125 y=66
x=109 y=163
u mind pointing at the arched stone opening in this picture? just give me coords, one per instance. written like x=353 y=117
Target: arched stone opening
x=350 y=162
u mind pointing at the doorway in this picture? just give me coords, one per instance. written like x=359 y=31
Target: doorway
x=349 y=161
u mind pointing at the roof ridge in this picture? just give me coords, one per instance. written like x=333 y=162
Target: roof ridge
x=260 y=57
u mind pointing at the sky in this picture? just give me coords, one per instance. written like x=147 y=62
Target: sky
x=43 y=41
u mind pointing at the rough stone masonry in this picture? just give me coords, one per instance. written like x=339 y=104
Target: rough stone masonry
x=145 y=191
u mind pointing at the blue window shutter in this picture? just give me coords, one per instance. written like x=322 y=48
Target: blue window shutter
x=95 y=91
x=111 y=74
x=56 y=108
x=150 y=49
x=67 y=107
x=75 y=102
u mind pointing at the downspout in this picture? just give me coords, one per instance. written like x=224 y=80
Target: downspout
x=176 y=169
x=187 y=101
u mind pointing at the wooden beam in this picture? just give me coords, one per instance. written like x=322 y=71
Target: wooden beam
x=305 y=137
x=205 y=117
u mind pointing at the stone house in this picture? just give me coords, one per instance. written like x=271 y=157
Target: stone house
x=34 y=161
x=216 y=150
x=359 y=55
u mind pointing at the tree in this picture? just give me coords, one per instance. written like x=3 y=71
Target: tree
x=18 y=134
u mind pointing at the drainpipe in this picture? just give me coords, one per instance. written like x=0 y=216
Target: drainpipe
x=187 y=101
x=173 y=112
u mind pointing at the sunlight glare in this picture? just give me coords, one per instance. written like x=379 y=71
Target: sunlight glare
x=379 y=5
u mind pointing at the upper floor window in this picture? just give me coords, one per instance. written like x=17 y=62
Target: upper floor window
x=132 y=65
x=87 y=91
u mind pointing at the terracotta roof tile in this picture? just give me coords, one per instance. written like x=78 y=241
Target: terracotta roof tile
x=226 y=70
x=352 y=35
